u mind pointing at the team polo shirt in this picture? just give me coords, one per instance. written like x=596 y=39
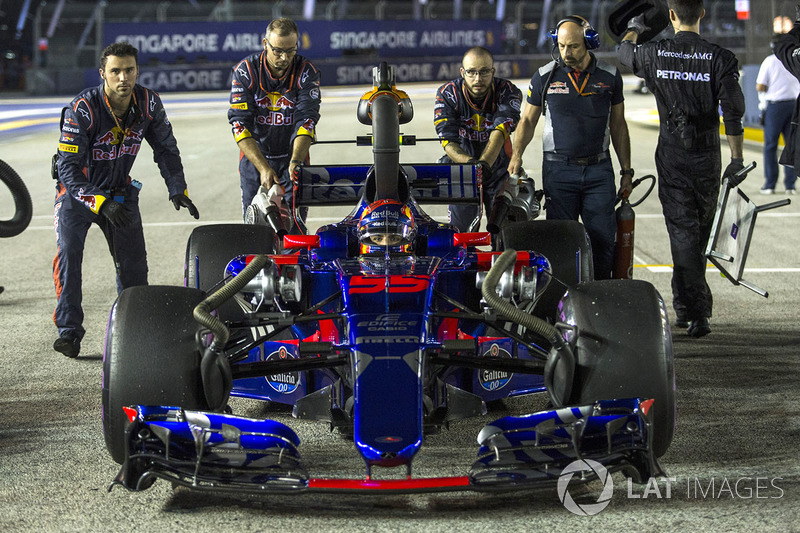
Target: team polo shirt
x=577 y=110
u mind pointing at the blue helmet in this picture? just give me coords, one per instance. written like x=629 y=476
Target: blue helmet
x=386 y=223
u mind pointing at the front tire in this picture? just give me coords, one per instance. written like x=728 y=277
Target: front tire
x=151 y=357
x=623 y=349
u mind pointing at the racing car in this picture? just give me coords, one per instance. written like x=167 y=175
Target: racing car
x=387 y=326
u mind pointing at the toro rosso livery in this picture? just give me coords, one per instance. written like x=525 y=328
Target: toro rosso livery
x=387 y=326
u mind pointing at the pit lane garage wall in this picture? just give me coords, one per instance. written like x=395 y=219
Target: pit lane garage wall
x=199 y=56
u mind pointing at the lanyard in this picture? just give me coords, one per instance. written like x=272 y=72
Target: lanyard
x=124 y=132
x=574 y=76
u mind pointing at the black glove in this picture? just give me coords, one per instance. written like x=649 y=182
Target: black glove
x=484 y=172
x=181 y=200
x=731 y=170
x=116 y=213
x=637 y=24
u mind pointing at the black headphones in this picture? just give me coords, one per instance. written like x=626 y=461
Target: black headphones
x=590 y=36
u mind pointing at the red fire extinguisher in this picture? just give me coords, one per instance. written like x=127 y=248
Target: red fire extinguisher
x=626 y=222
x=623 y=254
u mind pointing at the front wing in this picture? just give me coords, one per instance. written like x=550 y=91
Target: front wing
x=220 y=452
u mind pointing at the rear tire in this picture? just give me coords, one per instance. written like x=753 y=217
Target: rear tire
x=22 y=202
x=624 y=349
x=565 y=245
x=151 y=357
x=209 y=250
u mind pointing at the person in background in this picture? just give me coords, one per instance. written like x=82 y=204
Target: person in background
x=274 y=109
x=474 y=116
x=101 y=134
x=690 y=78
x=778 y=90
x=581 y=99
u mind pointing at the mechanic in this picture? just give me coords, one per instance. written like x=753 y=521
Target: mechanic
x=690 y=78
x=474 y=116
x=582 y=102
x=787 y=50
x=778 y=90
x=275 y=101
x=101 y=133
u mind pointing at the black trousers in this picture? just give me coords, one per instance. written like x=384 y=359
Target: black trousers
x=688 y=187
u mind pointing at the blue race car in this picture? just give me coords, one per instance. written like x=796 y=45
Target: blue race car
x=387 y=326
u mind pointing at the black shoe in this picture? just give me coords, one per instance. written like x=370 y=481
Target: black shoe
x=699 y=328
x=683 y=324
x=69 y=346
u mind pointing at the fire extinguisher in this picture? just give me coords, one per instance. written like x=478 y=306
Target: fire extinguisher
x=626 y=222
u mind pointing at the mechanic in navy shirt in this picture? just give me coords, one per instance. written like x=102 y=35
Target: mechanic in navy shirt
x=275 y=102
x=581 y=99
x=474 y=116
x=690 y=79
x=101 y=134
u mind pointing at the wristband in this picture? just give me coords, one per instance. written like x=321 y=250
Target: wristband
x=626 y=172
x=296 y=162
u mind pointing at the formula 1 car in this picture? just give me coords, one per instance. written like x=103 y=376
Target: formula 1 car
x=387 y=326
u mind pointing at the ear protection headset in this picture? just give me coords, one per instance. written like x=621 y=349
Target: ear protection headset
x=590 y=36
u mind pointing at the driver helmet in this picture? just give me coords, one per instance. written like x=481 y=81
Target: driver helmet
x=386 y=223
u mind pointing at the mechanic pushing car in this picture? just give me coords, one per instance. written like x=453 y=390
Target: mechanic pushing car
x=474 y=116
x=275 y=102
x=690 y=79
x=101 y=133
x=582 y=102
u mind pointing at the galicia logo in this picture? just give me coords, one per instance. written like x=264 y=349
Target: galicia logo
x=585 y=466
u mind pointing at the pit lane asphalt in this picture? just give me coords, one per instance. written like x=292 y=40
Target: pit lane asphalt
x=733 y=459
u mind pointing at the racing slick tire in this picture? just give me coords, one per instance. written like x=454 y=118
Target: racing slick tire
x=565 y=245
x=209 y=250
x=623 y=349
x=22 y=202
x=151 y=357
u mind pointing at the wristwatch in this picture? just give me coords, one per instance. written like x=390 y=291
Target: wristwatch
x=626 y=172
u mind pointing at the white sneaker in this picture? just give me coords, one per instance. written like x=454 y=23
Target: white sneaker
x=791 y=191
x=767 y=191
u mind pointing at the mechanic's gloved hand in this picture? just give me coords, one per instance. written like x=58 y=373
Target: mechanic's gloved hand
x=116 y=213
x=637 y=24
x=181 y=200
x=484 y=172
x=731 y=170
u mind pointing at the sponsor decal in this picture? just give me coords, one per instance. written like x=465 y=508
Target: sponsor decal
x=389 y=322
x=705 y=56
x=275 y=118
x=110 y=137
x=243 y=105
x=243 y=73
x=683 y=76
x=152 y=103
x=99 y=154
x=286 y=382
x=69 y=129
x=494 y=380
x=89 y=200
x=274 y=102
x=71 y=148
x=314 y=93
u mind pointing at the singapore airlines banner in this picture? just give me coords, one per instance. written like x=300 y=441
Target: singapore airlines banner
x=199 y=56
x=188 y=42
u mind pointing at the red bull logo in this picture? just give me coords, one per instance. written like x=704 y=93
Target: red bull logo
x=275 y=102
x=475 y=123
x=110 y=137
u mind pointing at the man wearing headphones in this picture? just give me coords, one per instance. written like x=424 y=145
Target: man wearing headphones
x=582 y=103
x=690 y=78
x=474 y=116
